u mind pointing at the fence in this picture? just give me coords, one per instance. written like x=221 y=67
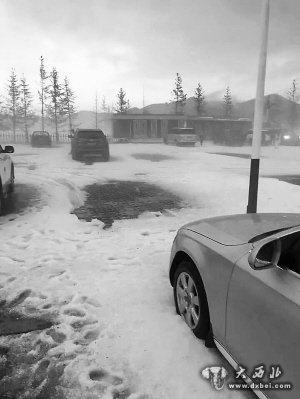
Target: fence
x=8 y=138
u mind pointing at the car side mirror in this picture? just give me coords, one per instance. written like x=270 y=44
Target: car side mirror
x=265 y=256
x=9 y=149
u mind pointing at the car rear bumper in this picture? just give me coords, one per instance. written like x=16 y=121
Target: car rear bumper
x=92 y=152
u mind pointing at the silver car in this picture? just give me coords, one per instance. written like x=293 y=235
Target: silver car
x=236 y=282
x=7 y=175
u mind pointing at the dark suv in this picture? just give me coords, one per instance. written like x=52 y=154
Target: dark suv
x=89 y=143
x=41 y=139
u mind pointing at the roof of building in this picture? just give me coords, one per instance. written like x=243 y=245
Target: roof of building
x=120 y=116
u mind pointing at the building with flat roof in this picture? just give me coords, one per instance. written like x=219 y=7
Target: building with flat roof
x=155 y=127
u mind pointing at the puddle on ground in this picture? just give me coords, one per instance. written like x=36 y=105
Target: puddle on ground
x=24 y=197
x=230 y=154
x=12 y=323
x=292 y=179
x=118 y=200
x=152 y=157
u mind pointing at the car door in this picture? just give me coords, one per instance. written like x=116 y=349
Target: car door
x=4 y=166
x=263 y=323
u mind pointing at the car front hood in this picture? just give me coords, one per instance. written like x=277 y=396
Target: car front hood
x=240 y=229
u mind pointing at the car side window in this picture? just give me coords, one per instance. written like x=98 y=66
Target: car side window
x=290 y=252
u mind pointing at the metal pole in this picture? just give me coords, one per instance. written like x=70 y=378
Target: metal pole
x=258 y=113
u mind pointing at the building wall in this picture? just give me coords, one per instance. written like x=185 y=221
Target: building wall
x=219 y=131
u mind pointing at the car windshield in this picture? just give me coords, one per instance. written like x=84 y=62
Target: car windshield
x=183 y=131
x=85 y=134
x=40 y=134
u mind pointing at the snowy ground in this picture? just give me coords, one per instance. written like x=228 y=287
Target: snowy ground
x=117 y=334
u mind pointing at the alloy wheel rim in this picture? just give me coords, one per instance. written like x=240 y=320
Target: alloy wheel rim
x=188 y=299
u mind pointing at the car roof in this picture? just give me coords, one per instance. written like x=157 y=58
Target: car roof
x=183 y=128
x=89 y=130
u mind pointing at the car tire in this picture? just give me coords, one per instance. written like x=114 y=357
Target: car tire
x=74 y=155
x=190 y=298
x=106 y=156
x=12 y=180
x=2 y=201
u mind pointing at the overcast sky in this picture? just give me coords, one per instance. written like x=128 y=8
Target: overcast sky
x=102 y=45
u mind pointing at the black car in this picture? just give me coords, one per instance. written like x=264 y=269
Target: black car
x=89 y=143
x=41 y=139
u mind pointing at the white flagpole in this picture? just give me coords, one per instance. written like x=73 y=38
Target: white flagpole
x=258 y=113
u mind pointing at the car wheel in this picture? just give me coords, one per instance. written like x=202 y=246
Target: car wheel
x=2 y=201
x=12 y=180
x=190 y=298
x=106 y=156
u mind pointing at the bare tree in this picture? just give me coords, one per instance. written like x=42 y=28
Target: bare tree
x=199 y=99
x=43 y=92
x=122 y=104
x=13 y=100
x=178 y=94
x=25 y=104
x=293 y=96
x=227 y=103
x=55 y=108
x=68 y=102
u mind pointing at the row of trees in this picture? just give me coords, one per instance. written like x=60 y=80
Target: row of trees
x=180 y=97
x=122 y=105
x=57 y=100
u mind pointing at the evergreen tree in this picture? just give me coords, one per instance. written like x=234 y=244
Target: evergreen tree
x=179 y=95
x=293 y=96
x=55 y=108
x=292 y=93
x=67 y=100
x=13 y=100
x=25 y=104
x=122 y=104
x=199 y=99
x=43 y=92
x=104 y=106
x=227 y=103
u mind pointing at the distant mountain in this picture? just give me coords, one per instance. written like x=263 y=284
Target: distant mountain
x=278 y=112
x=277 y=109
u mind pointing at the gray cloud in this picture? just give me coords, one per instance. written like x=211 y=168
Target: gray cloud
x=105 y=44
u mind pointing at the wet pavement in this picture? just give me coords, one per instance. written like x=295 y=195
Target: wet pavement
x=292 y=179
x=231 y=154
x=152 y=157
x=13 y=323
x=24 y=197
x=118 y=200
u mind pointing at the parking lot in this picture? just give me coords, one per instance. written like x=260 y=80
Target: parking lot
x=102 y=280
